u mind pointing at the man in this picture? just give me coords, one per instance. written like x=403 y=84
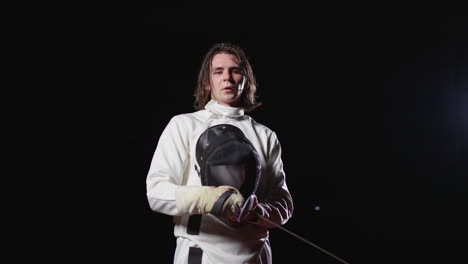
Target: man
x=216 y=208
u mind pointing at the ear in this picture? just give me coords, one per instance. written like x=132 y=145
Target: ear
x=206 y=86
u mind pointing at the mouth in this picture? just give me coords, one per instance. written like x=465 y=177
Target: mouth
x=229 y=88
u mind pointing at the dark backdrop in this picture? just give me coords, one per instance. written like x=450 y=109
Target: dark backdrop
x=369 y=103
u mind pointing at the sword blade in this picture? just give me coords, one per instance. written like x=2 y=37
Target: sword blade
x=298 y=237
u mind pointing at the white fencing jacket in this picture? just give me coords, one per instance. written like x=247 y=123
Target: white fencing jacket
x=173 y=164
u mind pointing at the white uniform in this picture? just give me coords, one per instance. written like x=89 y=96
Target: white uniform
x=174 y=164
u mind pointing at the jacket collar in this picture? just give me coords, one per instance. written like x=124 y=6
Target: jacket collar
x=215 y=108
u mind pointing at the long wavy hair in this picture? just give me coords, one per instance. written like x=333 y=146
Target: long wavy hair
x=248 y=100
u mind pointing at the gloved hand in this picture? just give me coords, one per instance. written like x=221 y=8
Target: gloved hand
x=251 y=204
x=201 y=199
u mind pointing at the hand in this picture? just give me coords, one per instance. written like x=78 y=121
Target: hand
x=201 y=199
x=231 y=208
x=247 y=212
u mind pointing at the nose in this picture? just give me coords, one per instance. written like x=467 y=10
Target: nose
x=227 y=76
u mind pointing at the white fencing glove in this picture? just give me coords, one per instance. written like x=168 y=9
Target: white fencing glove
x=222 y=200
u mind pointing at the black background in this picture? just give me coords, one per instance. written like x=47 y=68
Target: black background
x=369 y=103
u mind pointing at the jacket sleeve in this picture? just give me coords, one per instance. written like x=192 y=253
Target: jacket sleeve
x=167 y=169
x=275 y=201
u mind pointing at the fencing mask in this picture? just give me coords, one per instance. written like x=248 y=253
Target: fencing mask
x=226 y=157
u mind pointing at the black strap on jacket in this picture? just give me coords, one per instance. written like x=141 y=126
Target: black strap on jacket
x=195 y=255
x=193 y=225
x=194 y=221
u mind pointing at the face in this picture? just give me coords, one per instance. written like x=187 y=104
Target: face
x=226 y=79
